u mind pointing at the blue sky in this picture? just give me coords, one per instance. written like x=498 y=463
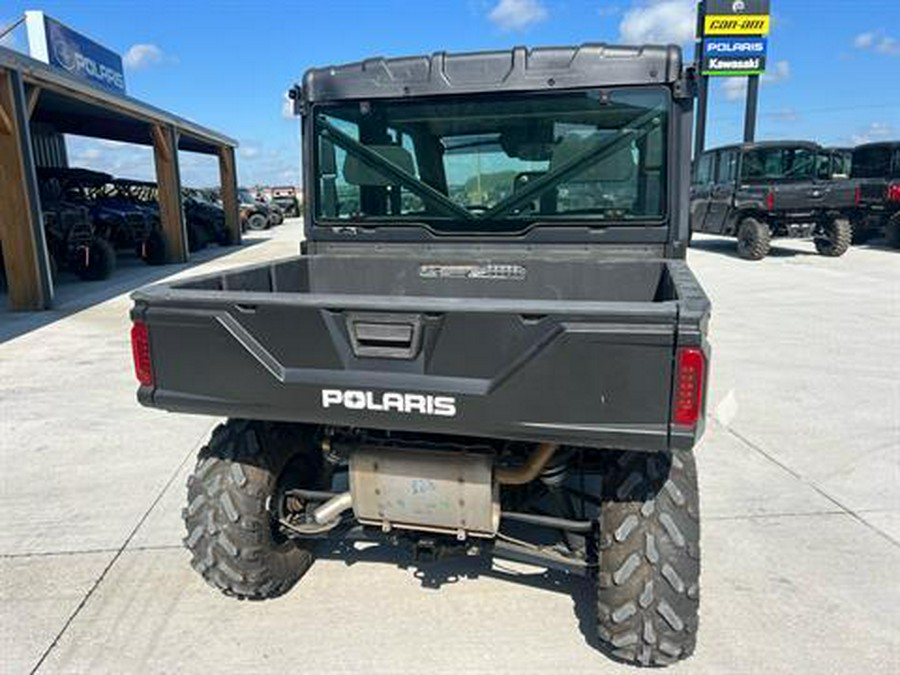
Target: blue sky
x=834 y=64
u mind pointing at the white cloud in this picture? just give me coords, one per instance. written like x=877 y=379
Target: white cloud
x=517 y=15
x=878 y=42
x=876 y=131
x=864 y=40
x=734 y=88
x=660 y=22
x=248 y=151
x=143 y=56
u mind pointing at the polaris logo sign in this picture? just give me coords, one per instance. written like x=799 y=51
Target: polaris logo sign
x=60 y=46
x=390 y=401
x=734 y=56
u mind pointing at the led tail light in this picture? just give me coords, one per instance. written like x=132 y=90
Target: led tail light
x=688 y=401
x=140 y=350
x=893 y=192
x=770 y=200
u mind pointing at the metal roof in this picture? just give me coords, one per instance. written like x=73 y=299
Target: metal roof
x=73 y=106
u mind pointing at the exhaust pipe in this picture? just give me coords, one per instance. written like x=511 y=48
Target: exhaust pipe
x=530 y=470
x=331 y=510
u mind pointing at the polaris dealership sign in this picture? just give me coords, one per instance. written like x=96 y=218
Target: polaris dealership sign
x=60 y=46
x=734 y=56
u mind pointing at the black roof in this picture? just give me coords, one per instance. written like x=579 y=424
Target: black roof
x=517 y=69
x=880 y=144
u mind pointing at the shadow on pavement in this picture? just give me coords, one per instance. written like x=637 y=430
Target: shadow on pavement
x=727 y=246
x=450 y=570
x=72 y=295
x=877 y=245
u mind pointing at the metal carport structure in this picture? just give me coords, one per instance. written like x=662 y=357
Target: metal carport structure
x=32 y=91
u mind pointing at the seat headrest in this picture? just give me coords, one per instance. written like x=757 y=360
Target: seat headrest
x=357 y=172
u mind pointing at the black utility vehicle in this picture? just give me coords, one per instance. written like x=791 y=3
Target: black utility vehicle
x=491 y=341
x=286 y=197
x=115 y=216
x=876 y=174
x=760 y=191
x=72 y=242
x=205 y=220
x=255 y=215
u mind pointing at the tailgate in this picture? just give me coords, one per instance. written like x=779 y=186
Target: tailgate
x=588 y=373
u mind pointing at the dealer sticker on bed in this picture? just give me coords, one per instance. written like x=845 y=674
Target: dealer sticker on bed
x=486 y=271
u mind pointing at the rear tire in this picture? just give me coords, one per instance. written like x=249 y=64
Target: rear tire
x=754 y=239
x=231 y=532
x=101 y=261
x=257 y=222
x=835 y=238
x=892 y=231
x=648 y=576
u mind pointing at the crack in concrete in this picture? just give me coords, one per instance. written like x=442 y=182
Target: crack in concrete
x=119 y=551
x=86 y=551
x=845 y=509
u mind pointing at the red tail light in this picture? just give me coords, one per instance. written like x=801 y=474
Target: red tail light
x=893 y=192
x=140 y=350
x=770 y=200
x=689 y=374
x=857 y=196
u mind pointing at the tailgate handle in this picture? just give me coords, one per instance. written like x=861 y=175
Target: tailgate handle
x=386 y=336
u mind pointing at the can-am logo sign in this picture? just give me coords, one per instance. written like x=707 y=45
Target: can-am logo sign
x=390 y=401
x=54 y=43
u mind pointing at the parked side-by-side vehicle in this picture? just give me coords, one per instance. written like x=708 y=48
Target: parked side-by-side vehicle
x=759 y=191
x=876 y=176
x=491 y=341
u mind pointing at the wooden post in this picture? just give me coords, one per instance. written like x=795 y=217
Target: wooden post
x=228 y=181
x=21 y=221
x=171 y=214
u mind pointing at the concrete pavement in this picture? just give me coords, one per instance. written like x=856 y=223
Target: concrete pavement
x=799 y=476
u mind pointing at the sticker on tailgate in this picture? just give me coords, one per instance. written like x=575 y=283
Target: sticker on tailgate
x=487 y=271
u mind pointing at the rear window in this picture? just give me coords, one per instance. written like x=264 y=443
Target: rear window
x=494 y=163
x=784 y=163
x=880 y=161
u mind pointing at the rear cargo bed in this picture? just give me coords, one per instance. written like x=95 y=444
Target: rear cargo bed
x=571 y=351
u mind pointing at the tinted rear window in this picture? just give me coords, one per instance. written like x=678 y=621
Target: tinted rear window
x=876 y=162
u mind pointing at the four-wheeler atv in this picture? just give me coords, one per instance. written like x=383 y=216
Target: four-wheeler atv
x=491 y=342
x=758 y=191
x=876 y=175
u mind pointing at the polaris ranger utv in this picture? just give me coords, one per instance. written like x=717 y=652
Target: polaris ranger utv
x=490 y=343
x=758 y=191
x=876 y=175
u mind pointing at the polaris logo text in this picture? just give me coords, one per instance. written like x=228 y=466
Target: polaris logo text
x=390 y=401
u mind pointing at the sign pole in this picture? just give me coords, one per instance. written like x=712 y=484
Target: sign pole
x=752 y=106
x=703 y=89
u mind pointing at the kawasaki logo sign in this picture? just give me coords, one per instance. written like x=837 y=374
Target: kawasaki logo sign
x=60 y=46
x=390 y=401
x=734 y=56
